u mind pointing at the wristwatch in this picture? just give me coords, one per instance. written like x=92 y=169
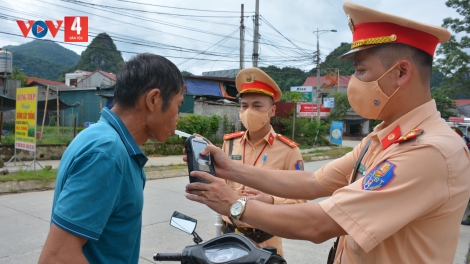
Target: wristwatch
x=238 y=208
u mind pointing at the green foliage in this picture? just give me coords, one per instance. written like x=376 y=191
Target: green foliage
x=186 y=73
x=45 y=176
x=101 y=54
x=20 y=76
x=443 y=102
x=294 y=97
x=331 y=61
x=305 y=130
x=36 y=67
x=205 y=126
x=286 y=77
x=51 y=136
x=341 y=107
x=455 y=64
x=42 y=58
x=227 y=127
x=437 y=77
x=46 y=50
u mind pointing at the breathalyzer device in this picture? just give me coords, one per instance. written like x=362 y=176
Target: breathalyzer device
x=197 y=162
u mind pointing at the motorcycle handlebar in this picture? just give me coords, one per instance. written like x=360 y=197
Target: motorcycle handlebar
x=167 y=257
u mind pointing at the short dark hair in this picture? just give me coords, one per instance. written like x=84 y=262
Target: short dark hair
x=390 y=53
x=145 y=72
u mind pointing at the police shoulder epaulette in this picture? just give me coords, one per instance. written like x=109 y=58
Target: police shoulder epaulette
x=411 y=135
x=234 y=135
x=287 y=141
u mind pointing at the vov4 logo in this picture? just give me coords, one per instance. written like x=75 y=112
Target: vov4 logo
x=75 y=28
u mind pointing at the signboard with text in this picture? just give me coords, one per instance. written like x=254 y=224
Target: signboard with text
x=307 y=90
x=25 y=121
x=329 y=102
x=309 y=109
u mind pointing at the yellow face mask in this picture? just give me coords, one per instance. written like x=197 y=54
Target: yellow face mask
x=254 y=120
x=366 y=98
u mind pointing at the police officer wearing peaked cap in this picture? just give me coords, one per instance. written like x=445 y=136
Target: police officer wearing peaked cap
x=412 y=186
x=259 y=146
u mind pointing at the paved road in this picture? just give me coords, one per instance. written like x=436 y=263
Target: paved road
x=24 y=223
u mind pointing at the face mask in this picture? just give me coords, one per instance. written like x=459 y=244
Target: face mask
x=366 y=98
x=254 y=120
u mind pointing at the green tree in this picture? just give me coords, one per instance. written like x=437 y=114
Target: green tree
x=437 y=77
x=186 y=73
x=455 y=65
x=20 y=76
x=294 y=97
x=341 y=107
x=332 y=61
x=443 y=102
x=286 y=77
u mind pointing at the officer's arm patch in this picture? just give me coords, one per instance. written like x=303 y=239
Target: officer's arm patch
x=379 y=177
x=299 y=165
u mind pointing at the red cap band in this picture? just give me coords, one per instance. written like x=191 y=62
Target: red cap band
x=409 y=36
x=258 y=87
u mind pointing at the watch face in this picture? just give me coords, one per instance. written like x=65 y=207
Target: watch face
x=236 y=208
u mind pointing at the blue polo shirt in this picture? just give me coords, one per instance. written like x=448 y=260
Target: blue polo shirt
x=99 y=191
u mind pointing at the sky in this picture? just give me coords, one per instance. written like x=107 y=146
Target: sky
x=204 y=35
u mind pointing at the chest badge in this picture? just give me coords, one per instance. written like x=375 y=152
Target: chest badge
x=237 y=157
x=379 y=177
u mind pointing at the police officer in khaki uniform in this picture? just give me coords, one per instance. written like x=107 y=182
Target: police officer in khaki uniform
x=407 y=201
x=259 y=146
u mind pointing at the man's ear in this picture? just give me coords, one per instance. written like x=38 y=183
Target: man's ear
x=273 y=113
x=152 y=99
x=406 y=70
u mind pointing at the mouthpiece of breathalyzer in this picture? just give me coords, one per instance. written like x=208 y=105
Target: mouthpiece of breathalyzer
x=182 y=134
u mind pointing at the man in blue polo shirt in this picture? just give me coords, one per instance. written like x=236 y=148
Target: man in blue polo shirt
x=98 y=200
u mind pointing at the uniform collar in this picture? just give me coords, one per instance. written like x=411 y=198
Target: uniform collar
x=132 y=148
x=269 y=137
x=403 y=125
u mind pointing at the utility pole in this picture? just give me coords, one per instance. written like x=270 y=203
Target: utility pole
x=242 y=39
x=256 y=36
x=318 y=80
x=318 y=33
x=5 y=82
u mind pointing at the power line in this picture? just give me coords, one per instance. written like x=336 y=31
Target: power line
x=181 y=8
x=142 y=10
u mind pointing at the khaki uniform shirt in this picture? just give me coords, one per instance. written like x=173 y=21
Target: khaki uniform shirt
x=269 y=153
x=407 y=205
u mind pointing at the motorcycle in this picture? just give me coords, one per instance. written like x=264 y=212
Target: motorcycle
x=228 y=248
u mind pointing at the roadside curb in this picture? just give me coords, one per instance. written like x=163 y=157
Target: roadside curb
x=11 y=187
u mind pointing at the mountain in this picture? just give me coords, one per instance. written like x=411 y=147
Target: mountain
x=346 y=68
x=101 y=54
x=46 y=50
x=42 y=58
x=36 y=67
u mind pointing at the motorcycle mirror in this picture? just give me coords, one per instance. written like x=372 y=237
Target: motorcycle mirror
x=183 y=222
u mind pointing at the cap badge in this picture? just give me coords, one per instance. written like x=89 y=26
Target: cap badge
x=249 y=78
x=351 y=24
